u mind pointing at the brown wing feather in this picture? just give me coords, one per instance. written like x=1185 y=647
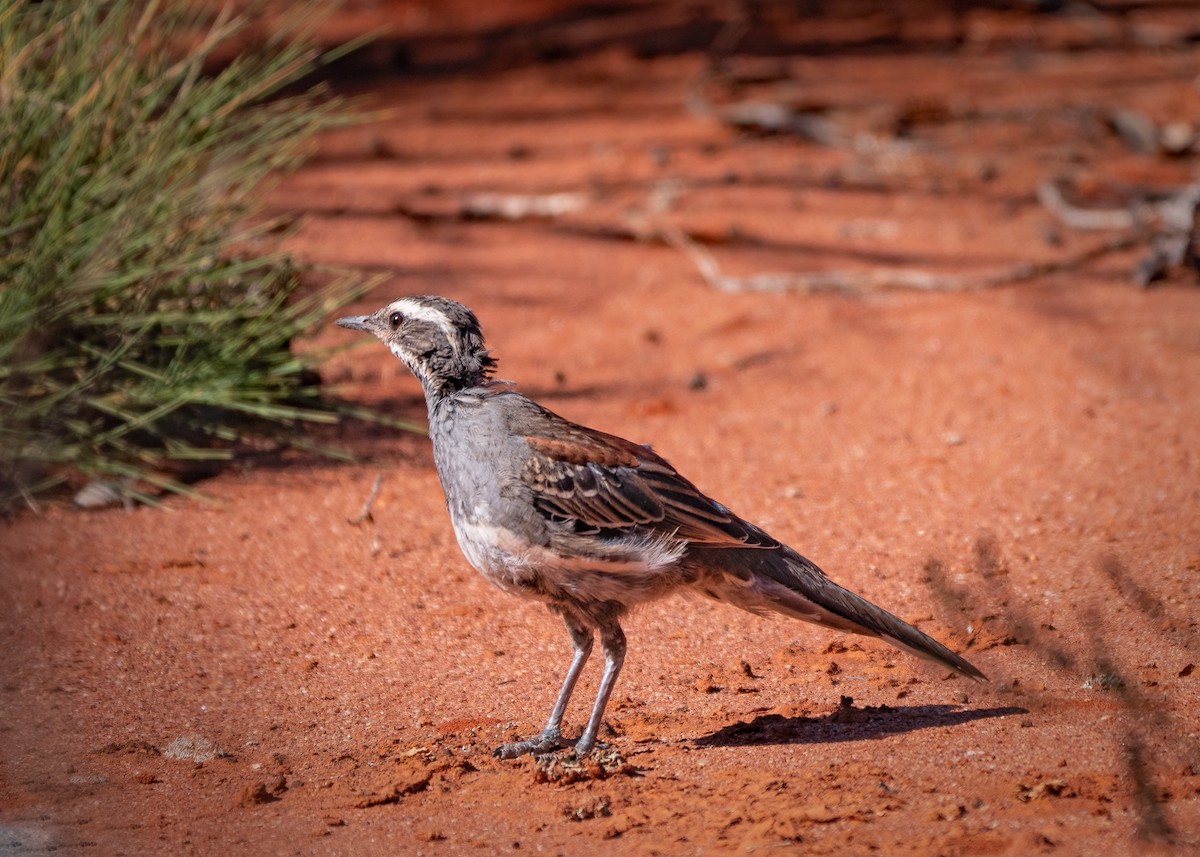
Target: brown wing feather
x=606 y=482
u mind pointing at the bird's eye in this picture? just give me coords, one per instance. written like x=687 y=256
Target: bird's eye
x=394 y=320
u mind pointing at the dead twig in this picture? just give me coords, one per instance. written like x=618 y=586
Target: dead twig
x=877 y=279
x=1166 y=221
x=1051 y=197
x=364 y=514
x=521 y=206
x=776 y=116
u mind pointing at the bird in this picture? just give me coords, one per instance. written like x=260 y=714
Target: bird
x=590 y=524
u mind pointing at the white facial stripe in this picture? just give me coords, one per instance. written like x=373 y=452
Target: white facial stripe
x=412 y=309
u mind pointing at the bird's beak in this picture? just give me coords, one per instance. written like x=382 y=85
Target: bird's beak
x=356 y=322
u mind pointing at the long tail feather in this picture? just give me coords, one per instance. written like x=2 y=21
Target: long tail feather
x=786 y=582
x=810 y=583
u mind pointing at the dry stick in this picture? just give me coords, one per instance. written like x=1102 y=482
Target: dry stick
x=859 y=282
x=553 y=206
x=33 y=504
x=364 y=514
x=1174 y=212
x=1168 y=223
x=1085 y=219
x=776 y=117
x=520 y=206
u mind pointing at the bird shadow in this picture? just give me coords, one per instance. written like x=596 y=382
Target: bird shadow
x=847 y=723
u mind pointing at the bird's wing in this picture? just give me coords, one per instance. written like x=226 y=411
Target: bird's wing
x=604 y=482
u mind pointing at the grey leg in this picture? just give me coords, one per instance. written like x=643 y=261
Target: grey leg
x=612 y=639
x=550 y=738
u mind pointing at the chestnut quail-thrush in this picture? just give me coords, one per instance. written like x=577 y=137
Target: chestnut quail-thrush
x=589 y=523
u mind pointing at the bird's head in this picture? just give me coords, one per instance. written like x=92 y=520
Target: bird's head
x=438 y=339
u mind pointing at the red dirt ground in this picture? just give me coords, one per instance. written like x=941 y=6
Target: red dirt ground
x=1016 y=469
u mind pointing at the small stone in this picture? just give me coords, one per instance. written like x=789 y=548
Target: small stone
x=821 y=813
x=1136 y=130
x=194 y=747
x=1177 y=138
x=598 y=807
x=254 y=795
x=100 y=494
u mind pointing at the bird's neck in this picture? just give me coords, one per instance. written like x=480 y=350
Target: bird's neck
x=448 y=386
x=446 y=394
x=445 y=371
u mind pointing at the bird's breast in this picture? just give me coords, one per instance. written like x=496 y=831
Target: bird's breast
x=511 y=561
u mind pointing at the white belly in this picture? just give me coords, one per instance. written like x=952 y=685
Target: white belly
x=639 y=572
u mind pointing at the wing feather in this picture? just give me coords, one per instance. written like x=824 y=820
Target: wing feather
x=601 y=481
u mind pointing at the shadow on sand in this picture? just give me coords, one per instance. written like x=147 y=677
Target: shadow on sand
x=848 y=723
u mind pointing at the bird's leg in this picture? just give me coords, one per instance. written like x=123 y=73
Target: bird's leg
x=612 y=640
x=550 y=738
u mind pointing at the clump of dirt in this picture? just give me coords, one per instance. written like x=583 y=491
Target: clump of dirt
x=567 y=768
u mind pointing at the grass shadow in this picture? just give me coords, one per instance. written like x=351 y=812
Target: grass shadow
x=1093 y=658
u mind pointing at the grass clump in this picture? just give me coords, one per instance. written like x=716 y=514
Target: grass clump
x=145 y=320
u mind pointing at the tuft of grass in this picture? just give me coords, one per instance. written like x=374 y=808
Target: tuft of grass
x=146 y=316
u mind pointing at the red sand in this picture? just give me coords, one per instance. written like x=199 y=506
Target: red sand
x=1014 y=469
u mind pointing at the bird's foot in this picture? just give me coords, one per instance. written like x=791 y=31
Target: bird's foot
x=581 y=750
x=588 y=743
x=545 y=741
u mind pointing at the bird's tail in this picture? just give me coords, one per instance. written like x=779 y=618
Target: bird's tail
x=783 y=581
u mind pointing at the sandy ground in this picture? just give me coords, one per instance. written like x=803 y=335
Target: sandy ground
x=1016 y=469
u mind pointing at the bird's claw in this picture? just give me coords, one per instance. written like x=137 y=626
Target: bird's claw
x=542 y=743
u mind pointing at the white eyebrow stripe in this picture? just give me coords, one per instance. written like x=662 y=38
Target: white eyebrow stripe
x=412 y=309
